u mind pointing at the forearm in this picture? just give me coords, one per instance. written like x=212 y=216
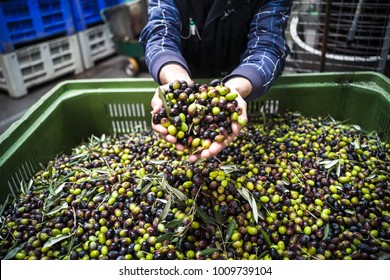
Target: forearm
x=171 y=72
x=161 y=39
x=263 y=60
x=242 y=85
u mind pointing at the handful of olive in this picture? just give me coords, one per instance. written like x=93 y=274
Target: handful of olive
x=198 y=114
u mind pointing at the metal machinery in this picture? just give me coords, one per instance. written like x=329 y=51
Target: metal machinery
x=339 y=35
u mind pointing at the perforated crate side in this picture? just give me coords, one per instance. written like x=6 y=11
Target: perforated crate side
x=95 y=43
x=39 y=63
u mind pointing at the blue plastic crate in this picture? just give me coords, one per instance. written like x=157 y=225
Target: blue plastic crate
x=25 y=21
x=86 y=13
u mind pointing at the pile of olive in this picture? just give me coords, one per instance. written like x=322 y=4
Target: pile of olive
x=287 y=187
x=198 y=114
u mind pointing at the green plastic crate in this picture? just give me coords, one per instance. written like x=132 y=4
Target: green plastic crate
x=73 y=110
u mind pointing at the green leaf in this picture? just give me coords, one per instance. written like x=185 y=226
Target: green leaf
x=351 y=212
x=14 y=250
x=64 y=205
x=329 y=163
x=166 y=209
x=50 y=169
x=176 y=192
x=231 y=227
x=53 y=240
x=204 y=216
x=252 y=202
x=255 y=210
x=218 y=245
x=146 y=188
x=229 y=168
x=338 y=169
x=326 y=231
x=139 y=184
x=156 y=161
x=263 y=254
x=164 y=101
x=266 y=237
x=244 y=193
x=208 y=251
x=174 y=223
x=4 y=205
x=59 y=189
x=218 y=217
x=165 y=236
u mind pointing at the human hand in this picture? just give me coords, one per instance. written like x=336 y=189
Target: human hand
x=157 y=107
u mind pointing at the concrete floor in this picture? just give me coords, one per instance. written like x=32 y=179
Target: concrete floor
x=12 y=109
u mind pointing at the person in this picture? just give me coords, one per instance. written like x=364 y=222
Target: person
x=241 y=41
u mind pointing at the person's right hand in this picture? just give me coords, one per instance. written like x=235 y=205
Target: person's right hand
x=156 y=106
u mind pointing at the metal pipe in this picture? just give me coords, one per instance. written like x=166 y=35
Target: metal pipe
x=325 y=35
x=384 y=56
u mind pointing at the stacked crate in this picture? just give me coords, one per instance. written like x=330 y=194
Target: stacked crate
x=95 y=38
x=38 y=42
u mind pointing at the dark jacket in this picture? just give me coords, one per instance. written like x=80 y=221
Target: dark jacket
x=227 y=38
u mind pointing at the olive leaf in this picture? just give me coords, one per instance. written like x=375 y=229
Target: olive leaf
x=70 y=246
x=164 y=101
x=25 y=187
x=371 y=176
x=180 y=195
x=64 y=205
x=218 y=245
x=156 y=161
x=252 y=202
x=53 y=240
x=266 y=237
x=4 y=205
x=14 y=250
x=139 y=184
x=50 y=169
x=165 y=236
x=326 y=231
x=263 y=254
x=200 y=161
x=208 y=251
x=329 y=163
x=146 y=188
x=58 y=189
x=204 y=216
x=356 y=127
x=351 y=212
x=166 y=209
x=174 y=223
x=229 y=168
x=230 y=229
x=98 y=178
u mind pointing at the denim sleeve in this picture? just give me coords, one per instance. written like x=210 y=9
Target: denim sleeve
x=267 y=49
x=160 y=38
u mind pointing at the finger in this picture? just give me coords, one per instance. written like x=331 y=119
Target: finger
x=171 y=138
x=236 y=128
x=156 y=104
x=194 y=158
x=214 y=149
x=180 y=147
x=160 y=129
